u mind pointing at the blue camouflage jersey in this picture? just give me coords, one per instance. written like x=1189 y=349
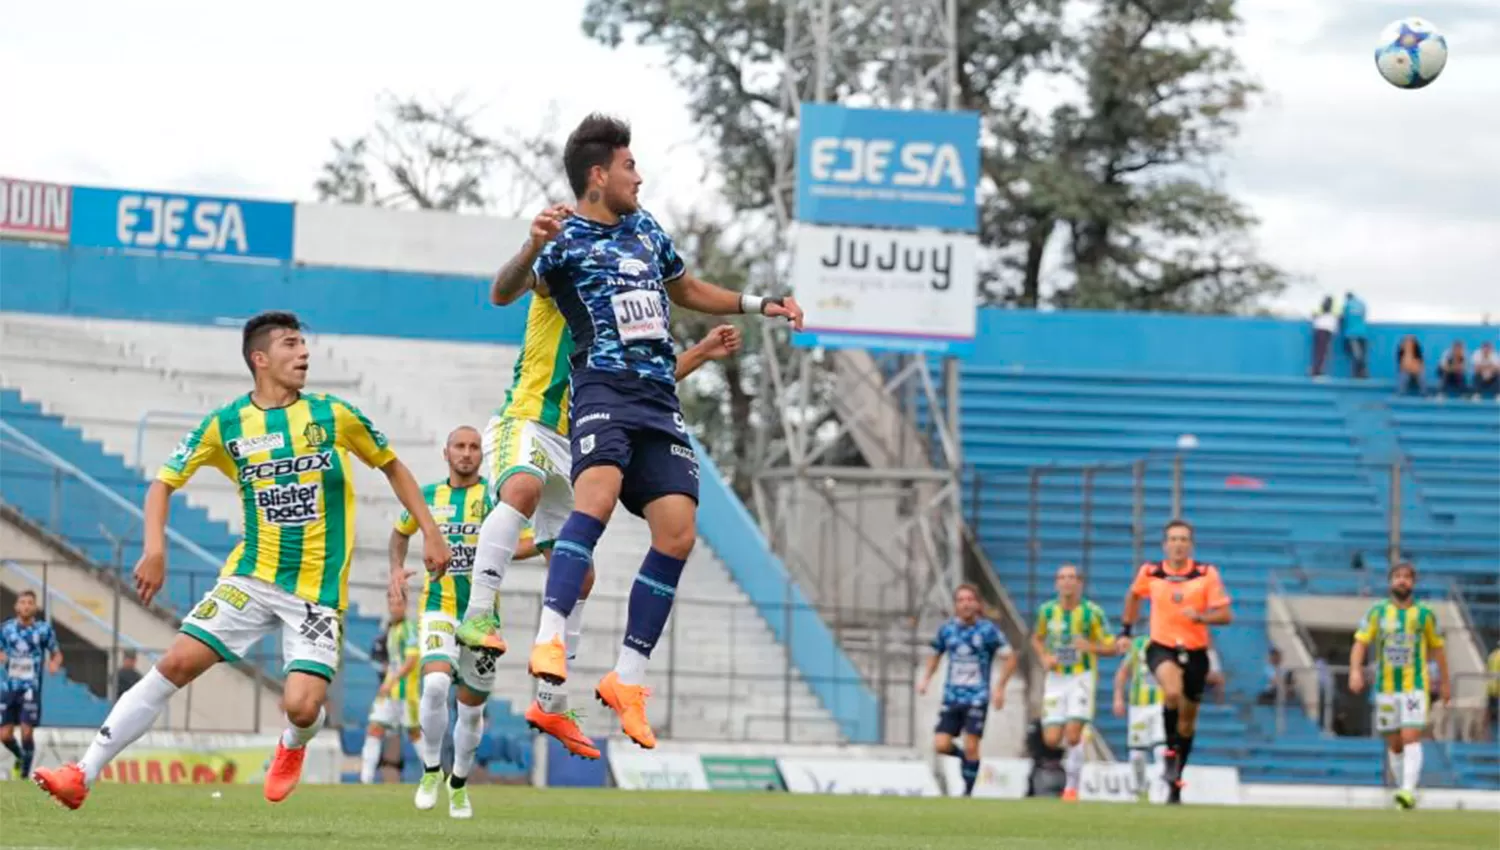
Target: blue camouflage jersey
x=26 y=649
x=609 y=282
x=971 y=651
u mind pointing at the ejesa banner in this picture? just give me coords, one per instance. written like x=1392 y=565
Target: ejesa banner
x=886 y=289
x=176 y=224
x=30 y=209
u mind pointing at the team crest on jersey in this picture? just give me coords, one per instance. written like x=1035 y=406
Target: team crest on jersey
x=315 y=434
x=586 y=444
x=476 y=510
x=646 y=240
x=1177 y=597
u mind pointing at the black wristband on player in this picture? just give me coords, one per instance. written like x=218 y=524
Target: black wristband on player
x=1126 y=629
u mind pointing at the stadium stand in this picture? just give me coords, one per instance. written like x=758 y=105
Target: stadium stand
x=1280 y=476
x=114 y=397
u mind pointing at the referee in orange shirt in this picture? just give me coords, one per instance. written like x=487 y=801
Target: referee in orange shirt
x=1186 y=598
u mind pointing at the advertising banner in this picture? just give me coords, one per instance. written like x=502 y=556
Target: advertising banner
x=33 y=210
x=191 y=758
x=1114 y=782
x=884 y=777
x=648 y=771
x=886 y=289
x=888 y=167
x=999 y=778
x=193 y=226
x=737 y=773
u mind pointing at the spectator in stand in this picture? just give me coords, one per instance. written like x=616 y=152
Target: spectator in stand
x=1325 y=325
x=1278 y=679
x=126 y=675
x=1410 y=367
x=1487 y=371
x=1453 y=370
x=1356 y=335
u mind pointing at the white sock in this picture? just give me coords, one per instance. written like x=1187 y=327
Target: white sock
x=554 y=698
x=466 y=734
x=1073 y=765
x=132 y=716
x=1411 y=767
x=498 y=537
x=433 y=714
x=1394 y=760
x=631 y=668
x=296 y=737
x=1159 y=754
x=551 y=625
x=1138 y=768
x=369 y=758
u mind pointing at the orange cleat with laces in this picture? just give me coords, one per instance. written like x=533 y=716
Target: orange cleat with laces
x=564 y=727
x=285 y=772
x=629 y=702
x=66 y=784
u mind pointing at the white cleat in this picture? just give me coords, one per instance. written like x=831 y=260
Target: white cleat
x=427 y=790
x=458 y=802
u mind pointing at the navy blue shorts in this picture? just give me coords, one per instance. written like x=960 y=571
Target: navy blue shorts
x=20 y=703
x=635 y=424
x=964 y=717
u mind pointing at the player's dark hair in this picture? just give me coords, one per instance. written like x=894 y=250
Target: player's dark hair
x=592 y=143
x=257 y=332
x=24 y=593
x=1399 y=566
x=1178 y=523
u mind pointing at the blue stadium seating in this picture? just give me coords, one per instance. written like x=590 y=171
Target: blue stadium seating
x=1284 y=475
x=77 y=513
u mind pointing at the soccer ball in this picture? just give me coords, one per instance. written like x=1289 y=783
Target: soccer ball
x=1411 y=53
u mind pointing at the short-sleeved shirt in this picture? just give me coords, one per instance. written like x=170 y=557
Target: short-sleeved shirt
x=1170 y=591
x=1402 y=637
x=291 y=467
x=458 y=512
x=26 y=649
x=539 y=386
x=1143 y=687
x=401 y=646
x=1058 y=627
x=971 y=649
x=609 y=281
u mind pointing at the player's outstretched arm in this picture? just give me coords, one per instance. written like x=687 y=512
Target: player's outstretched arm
x=399 y=545
x=704 y=297
x=1357 y=665
x=721 y=342
x=1440 y=655
x=151 y=570
x=516 y=276
x=434 y=548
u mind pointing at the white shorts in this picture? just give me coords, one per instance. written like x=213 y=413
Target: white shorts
x=240 y=610
x=1147 y=727
x=1406 y=710
x=392 y=713
x=439 y=642
x=1068 y=698
x=520 y=445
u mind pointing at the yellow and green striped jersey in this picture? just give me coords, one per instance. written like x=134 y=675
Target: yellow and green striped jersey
x=401 y=647
x=1402 y=638
x=292 y=468
x=539 y=391
x=458 y=512
x=1058 y=626
x=1143 y=687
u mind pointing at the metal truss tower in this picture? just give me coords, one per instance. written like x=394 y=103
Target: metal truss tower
x=862 y=497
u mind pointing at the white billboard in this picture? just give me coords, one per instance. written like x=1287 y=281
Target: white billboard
x=897 y=289
x=887 y=777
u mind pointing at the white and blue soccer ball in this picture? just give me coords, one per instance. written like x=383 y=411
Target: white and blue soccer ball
x=1411 y=53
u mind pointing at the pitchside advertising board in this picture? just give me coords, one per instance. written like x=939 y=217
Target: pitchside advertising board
x=181 y=225
x=885 y=251
x=33 y=210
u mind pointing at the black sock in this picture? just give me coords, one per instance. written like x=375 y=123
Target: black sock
x=970 y=772
x=1185 y=750
x=457 y=782
x=15 y=748
x=431 y=768
x=28 y=754
x=1169 y=719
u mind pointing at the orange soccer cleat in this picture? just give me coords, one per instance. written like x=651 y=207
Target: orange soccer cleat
x=564 y=727
x=1070 y=795
x=66 y=784
x=285 y=772
x=629 y=702
x=549 y=661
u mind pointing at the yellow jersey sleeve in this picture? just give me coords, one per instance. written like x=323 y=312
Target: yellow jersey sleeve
x=1430 y=632
x=1367 y=627
x=406 y=524
x=1100 y=632
x=203 y=444
x=356 y=434
x=1042 y=617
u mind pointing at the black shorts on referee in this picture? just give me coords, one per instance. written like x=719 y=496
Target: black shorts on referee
x=1193 y=663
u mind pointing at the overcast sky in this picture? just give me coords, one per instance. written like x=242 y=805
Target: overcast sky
x=1359 y=185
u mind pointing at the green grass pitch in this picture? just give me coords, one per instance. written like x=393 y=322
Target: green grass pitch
x=333 y=817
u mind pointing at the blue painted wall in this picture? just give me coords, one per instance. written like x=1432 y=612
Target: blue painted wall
x=1161 y=343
